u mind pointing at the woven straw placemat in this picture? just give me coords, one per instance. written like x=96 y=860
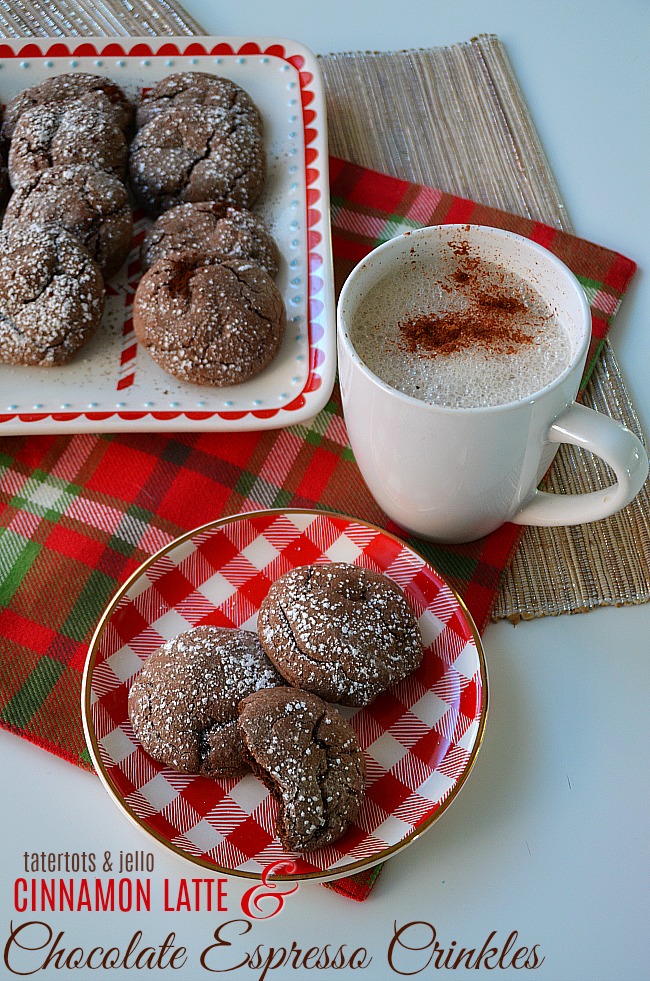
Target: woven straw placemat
x=458 y=121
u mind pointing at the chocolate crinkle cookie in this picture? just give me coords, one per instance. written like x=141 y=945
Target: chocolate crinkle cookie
x=342 y=631
x=198 y=153
x=5 y=187
x=183 y=703
x=89 y=89
x=306 y=753
x=56 y=134
x=197 y=89
x=207 y=320
x=91 y=204
x=51 y=296
x=211 y=226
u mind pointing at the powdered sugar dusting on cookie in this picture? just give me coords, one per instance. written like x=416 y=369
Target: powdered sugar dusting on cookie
x=198 y=153
x=71 y=87
x=342 y=631
x=89 y=203
x=51 y=296
x=211 y=226
x=183 y=703
x=57 y=134
x=309 y=757
x=207 y=320
x=198 y=89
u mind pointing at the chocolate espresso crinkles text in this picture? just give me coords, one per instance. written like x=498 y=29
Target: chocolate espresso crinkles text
x=342 y=631
x=306 y=753
x=51 y=296
x=209 y=321
x=183 y=703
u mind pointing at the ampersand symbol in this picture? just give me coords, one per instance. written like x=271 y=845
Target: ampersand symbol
x=251 y=902
x=108 y=864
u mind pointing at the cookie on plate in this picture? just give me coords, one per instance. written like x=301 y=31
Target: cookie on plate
x=209 y=321
x=51 y=296
x=5 y=187
x=91 y=204
x=183 y=703
x=197 y=89
x=198 y=153
x=211 y=226
x=90 y=89
x=57 y=134
x=306 y=753
x=342 y=631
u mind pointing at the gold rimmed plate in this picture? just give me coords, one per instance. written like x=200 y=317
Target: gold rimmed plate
x=420 y=738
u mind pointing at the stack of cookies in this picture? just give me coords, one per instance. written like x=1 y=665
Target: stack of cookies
x=219 y=700
x=68 y=211
x=207 y=309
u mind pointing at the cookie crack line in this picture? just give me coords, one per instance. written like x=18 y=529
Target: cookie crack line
x=34 y=299
x=319 y=778
x=11 y=324
x=281 y=784
x=106 y=211
x=207 y=153
x=342 y=756
x=204 y=736
x=189 y=170
x=337 y=668
x=224 y=137
x=245 y=299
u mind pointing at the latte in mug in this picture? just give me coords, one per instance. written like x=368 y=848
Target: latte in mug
x=492 y=308
x=463 y=332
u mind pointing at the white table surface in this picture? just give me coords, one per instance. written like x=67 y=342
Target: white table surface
x=549 y=837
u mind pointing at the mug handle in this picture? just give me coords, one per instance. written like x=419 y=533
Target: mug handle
x=614 y=444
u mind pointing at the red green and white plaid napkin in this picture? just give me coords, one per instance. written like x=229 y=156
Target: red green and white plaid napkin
x=80 y=513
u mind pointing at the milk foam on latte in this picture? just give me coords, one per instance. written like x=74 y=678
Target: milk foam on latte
x=469 y=334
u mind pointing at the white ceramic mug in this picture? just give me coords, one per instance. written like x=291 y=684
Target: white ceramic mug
x=456 y=474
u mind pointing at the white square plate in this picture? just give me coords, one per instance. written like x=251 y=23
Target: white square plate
x=112 y=385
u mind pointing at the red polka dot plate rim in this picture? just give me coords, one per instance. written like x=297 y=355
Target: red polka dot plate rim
x=420 y=738
x=112 y=385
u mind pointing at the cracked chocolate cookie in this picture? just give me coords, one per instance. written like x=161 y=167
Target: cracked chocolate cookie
x=59 y=135
x=197 y=89
x=339 y=630
x=183 y=703
x=91 y=204
x=211 y=226
x=308 y=756
x=207 y=320
x=51 y=296
x=198 y=153
x=89 y=89
x=5 y=187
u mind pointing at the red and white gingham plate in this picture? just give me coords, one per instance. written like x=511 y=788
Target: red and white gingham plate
x=420 y=738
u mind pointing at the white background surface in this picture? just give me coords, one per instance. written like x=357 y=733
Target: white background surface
x=550 y=835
